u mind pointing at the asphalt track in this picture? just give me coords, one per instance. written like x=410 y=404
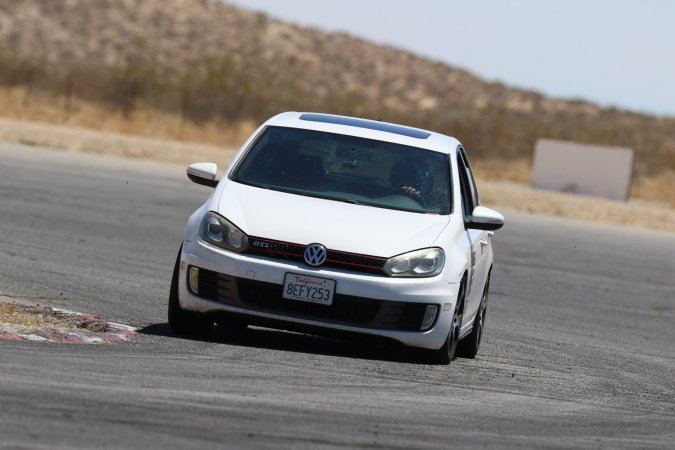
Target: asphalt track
x=579 y=350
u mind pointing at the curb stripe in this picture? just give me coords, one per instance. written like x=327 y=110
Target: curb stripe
x=115 y=332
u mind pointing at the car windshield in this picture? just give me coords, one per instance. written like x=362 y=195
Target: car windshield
x=348 y=169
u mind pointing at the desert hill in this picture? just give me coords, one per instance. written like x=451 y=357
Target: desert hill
x=208 y=63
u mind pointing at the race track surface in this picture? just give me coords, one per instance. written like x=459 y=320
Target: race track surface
x=579 y=350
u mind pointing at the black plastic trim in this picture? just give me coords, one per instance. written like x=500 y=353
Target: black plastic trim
x=361 y=312
x=478 y=224
x=202 y=181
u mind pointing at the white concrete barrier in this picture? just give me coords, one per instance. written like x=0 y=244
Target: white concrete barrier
x=583 y=169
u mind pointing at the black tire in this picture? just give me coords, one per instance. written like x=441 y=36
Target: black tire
x=184 y=322
x=468 y=347
x=446 y=353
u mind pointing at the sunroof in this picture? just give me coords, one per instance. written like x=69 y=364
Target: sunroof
x=360 y=123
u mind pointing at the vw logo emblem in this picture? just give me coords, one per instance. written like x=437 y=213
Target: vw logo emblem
x=315 y=254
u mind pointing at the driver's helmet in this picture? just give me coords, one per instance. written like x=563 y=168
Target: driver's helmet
x=412 y=177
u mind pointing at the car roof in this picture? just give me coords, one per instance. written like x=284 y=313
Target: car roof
x=371 y=129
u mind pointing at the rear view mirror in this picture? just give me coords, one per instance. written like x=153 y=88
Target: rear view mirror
x=203 y=173
x=483 y=218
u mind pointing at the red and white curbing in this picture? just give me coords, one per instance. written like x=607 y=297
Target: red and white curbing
x=114 y=332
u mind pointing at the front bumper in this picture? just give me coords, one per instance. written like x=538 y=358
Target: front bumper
x=364 y=304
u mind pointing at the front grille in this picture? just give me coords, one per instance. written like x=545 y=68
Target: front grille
x=295 y=252
x=346 y=309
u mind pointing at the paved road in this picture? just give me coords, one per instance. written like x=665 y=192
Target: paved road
x=579 y=350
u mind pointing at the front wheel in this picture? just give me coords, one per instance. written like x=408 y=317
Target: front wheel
x=468 y=347
x=184 y=322
x=446 y=353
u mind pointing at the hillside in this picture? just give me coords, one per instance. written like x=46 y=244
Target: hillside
x=210 y=65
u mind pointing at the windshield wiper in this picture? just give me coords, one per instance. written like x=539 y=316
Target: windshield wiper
x=353 y=202
x=343 y=200
x=249 y=183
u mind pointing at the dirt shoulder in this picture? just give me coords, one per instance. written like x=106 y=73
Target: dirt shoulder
x=79 y=139
x=498 y=194
x=507 y=195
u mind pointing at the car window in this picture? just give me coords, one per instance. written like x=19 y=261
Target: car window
x=348 y=168
x=468 y=185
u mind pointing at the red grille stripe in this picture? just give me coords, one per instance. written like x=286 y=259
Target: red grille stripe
x=378 y=260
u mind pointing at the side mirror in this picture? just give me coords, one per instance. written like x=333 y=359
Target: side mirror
x=203 y=173
x=483 y=218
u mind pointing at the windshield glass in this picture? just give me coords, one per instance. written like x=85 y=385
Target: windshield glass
x=349 y=169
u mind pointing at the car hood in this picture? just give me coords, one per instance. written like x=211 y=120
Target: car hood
x=337 y=225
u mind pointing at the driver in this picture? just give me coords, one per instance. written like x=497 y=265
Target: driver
x=411 y=177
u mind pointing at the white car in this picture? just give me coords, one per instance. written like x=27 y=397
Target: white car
x=332 y=224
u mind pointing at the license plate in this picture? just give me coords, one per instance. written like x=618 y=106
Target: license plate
x=309 y=289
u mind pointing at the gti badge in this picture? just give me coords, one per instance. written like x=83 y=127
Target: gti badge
x=315 y=254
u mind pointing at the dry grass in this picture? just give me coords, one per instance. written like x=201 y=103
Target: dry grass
x=659 y=188
x=149 y=133
x=510 y=195
x=656 y=187
x=519 y=170
x=25 y=319
x=206 y=71
x=108 y=143
x=222 y=68
x=523 y=198
x=143 y=121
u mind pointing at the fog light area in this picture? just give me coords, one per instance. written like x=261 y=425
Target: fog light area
x=194 y=280
x=429 y=317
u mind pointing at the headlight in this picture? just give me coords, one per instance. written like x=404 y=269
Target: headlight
x=427 y=262
x=218 y=231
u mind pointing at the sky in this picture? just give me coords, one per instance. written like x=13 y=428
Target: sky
x=612 y=52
